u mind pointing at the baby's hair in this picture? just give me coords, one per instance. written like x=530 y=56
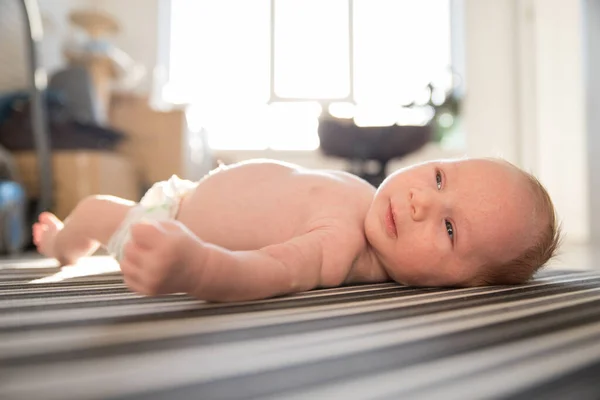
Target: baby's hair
x=522 y=268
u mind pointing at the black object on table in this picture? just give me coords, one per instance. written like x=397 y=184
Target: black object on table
x=363 y=145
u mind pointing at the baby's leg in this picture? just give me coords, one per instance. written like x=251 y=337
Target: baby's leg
x=92 y=223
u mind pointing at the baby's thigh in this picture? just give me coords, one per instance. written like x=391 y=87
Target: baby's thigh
x=102 y=216
x=189 y=210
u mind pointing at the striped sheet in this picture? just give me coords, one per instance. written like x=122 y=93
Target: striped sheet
x=90 y=338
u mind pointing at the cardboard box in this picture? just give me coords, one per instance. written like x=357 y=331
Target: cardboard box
x=158 y=142
x=77 y=174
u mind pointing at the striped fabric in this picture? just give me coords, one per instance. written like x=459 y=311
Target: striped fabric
x=90 y=338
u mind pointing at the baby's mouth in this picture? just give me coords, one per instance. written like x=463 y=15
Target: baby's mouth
x=390 y=222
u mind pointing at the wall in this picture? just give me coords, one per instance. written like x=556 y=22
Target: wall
x=13 y=55
x=57 y=29
x=592 y=84
x=139 y=32
x=13 y=60
x=138 y=37
x=561 y=114
x=525 y=96
x=490 y=115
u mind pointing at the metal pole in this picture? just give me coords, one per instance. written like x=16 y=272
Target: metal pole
x=39 y=124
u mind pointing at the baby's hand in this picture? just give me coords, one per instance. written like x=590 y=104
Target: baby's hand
x=155 y=260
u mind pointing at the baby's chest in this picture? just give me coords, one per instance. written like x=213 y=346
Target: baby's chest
x=255 y=217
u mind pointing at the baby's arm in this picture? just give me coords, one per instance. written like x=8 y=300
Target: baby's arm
x=314 y=259
x=166 y=258
x=92 y=223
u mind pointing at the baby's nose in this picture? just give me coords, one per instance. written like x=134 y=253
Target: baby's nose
x=421 y=201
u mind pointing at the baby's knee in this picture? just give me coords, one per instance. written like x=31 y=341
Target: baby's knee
x=101 y=215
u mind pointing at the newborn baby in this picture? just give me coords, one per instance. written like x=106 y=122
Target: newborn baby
x=262 y=228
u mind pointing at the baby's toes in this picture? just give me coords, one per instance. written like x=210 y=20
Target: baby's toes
x=48 y=219
x=37 y=232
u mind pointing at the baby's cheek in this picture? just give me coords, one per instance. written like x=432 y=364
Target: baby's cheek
x=433 y=239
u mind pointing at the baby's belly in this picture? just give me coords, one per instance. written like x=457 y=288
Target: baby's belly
x=245 y=221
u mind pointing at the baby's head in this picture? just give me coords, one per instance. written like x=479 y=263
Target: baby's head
x=466 y=222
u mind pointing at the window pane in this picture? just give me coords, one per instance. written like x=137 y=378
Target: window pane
x=400 y=46
x=311 y=48
x=220 y=63
x=220 y=50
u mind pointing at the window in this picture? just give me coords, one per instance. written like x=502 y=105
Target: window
x=220 y=62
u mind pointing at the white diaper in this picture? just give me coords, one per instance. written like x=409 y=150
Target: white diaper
x=160 y=203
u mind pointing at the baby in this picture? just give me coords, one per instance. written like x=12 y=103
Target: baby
x=262 y=228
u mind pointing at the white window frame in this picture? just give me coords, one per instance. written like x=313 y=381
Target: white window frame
x=275 y=98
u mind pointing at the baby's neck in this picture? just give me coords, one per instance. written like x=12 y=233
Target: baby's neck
x=367 y=268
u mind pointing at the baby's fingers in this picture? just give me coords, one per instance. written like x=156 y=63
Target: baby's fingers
x=132 y=266
x=146 y=234
x=132 y=277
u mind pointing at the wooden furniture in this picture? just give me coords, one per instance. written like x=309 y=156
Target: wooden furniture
x=78 y=174
x=159 y=142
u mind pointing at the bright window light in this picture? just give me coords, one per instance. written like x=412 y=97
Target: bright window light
x=311 y=49
x=220 y=64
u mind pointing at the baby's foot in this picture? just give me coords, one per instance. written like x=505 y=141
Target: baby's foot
x=44 y=233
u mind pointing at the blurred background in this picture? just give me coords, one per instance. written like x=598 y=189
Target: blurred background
x=107 y=96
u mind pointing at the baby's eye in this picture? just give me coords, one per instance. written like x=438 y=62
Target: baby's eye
x=449 y=229
x=438 y=179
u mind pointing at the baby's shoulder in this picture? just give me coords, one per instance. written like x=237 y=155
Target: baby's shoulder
x=341 y=243
x=352 y=183
x=345 y=195
x=340 y=233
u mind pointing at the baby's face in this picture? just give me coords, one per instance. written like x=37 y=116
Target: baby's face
x=438 y=223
